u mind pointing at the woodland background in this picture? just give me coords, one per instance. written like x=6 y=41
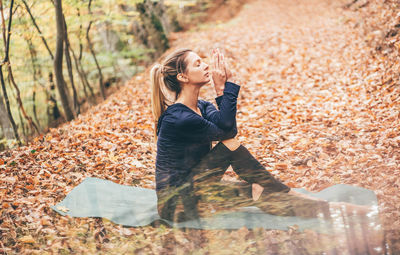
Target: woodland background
x=96 y=45
x=319 y=105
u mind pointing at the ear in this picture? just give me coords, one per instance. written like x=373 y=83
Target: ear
x=182 y=78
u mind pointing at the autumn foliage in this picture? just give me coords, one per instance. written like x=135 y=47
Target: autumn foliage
x=319 y=105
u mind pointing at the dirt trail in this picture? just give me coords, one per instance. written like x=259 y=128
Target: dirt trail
x=303 y=110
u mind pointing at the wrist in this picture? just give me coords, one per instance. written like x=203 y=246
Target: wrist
x=219 y=92
x=232 y=80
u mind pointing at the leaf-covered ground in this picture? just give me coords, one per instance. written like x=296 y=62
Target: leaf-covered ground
x=318 y=106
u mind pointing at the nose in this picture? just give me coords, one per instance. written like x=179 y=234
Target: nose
x=206 y=68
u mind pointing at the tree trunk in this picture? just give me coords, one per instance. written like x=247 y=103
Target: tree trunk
x=34 y=107
x=58 y=58
x=5 y=61
x=79 y=37
x=10 y=73
x=5 y=122
x=83 y=78
x=69 y=66
x=32 y=125
x=90 y=45
x=35 y=73
x=79 y=67
x=53 y=113
x=22 y=125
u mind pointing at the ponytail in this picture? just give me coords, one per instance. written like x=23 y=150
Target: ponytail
x=157 y=96
x=165 y=76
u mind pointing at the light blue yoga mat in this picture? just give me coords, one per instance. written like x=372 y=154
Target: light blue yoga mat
x=134 y=206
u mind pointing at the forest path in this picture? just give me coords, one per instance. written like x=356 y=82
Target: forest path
x=304 y=111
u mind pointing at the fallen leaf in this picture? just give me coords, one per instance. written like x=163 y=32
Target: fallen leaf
x=27 y=239
x=281 y=166
x=62 y=208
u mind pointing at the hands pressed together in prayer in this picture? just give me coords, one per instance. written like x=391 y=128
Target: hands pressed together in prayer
x=220 y=71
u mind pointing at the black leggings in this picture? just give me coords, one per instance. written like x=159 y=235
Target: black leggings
x=203 y=193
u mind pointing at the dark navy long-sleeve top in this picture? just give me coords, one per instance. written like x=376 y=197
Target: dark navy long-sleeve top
x=184 y=137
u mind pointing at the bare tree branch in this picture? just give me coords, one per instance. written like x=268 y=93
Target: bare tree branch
x=38 y=29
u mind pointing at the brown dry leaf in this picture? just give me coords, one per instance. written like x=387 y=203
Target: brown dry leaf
x=27 y=239
x=45 y=222
x=281 y=166
x=126 y=232
x=62 y=208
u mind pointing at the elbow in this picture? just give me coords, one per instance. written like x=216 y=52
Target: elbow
x=233 y=132
x=227 y=125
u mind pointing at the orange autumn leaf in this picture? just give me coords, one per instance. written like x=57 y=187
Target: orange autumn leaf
x=281 y=166
x=27 y=239
x=30 y=187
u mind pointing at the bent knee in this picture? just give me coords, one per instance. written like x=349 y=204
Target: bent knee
x=232 y=143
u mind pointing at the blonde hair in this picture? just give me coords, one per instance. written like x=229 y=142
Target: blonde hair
x=165 y=75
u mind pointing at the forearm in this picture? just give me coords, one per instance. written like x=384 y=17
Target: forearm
x=219 y=90
x=227 y=104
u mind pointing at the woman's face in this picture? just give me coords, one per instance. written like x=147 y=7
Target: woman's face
x=197 y=71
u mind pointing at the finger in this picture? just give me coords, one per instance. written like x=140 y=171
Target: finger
x=223 y=61
x=227 y=70
x=213 y=60
x=223 y=64
x=218 y=60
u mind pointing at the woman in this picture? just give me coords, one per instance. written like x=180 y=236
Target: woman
x=188 y=170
